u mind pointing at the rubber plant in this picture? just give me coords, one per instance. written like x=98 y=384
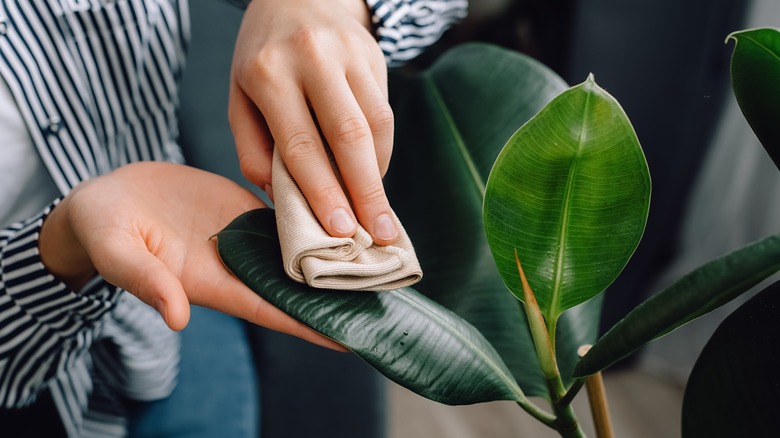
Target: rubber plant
x=518 y=239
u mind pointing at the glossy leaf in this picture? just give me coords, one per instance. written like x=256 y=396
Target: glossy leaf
x=570 y=193
x=697 y=293
x=755 y=69
x=452 y=121
x=407 y=337
x=733 y=387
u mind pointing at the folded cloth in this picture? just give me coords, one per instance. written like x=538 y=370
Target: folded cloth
x=312 y=256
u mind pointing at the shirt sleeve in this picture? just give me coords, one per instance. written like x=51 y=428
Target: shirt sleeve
x=405 y=28
x=44 y=326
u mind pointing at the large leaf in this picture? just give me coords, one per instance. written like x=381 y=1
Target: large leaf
x=733 y=388
x=409 y=338
x=570 y=193
x=755 y=69
x=697 y=293
x=452 y=122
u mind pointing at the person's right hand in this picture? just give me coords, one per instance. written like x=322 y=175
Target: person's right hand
x=146 y=228
x=300 y=65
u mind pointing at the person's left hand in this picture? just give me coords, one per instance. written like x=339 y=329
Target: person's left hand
x=303 y=64
x=146 y=228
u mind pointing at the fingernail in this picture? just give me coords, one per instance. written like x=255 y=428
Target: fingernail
x=384 y=228
x=341 y=221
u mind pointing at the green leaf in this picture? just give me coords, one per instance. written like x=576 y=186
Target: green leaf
x=755 y=69
x=452 y=120
x=733 y=388
x=570 y=192
x=697 y=293
x=407 y=337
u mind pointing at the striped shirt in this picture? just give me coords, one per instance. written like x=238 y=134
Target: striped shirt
x=404 y=28
x=96 y=83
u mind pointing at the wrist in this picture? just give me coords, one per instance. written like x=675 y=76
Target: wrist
x=61 y=251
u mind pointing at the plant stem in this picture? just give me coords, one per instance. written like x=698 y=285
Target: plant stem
x=566 y=422
x=572 y=392
x=565 y=419
x=536 y=412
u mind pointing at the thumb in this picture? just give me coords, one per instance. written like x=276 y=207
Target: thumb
x=145 y=276
x=254 y=143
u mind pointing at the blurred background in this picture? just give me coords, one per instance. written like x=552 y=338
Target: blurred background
x=713 y=186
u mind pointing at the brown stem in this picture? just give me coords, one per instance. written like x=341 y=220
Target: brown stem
x=597 y=397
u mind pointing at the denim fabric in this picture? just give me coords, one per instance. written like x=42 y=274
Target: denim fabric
x=217 y=391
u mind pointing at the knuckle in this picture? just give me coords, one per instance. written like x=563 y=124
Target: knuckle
x=309 y=41
x=260 y=66
x=328 y=195
x=351 y=131
x=382 y=119
x=371 y=197
x=300 y=146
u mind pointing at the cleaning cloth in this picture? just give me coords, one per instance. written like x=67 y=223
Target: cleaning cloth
x=312 y=256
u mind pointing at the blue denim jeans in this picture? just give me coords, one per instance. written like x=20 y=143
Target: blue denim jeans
x=217 y=391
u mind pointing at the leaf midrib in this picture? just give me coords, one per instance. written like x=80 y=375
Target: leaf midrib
x=511 y=383
x=247 y=231
x=453 y=129
x=762 y=46
x=555 y=295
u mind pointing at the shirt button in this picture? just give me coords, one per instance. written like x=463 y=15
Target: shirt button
x=54 y=125
x=3 y=26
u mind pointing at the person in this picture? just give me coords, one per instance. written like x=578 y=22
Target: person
x=106 y=228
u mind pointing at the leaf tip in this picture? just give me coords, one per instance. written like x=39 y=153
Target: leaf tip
x=731 y=36
x=590 y=83
x=755 y=31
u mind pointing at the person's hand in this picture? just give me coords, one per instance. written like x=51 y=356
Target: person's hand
x=303 y=64
x=146 y=228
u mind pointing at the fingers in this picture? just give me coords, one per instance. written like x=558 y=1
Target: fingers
x=289 y=59
x=146 y=277
x=355 y=135
x=234 y=298
x=359 y=130
x=273 y=318
x=304 y=154
x=254 y=143
x=370 y=91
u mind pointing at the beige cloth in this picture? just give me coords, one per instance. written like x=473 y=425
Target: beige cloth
x=312 y=256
